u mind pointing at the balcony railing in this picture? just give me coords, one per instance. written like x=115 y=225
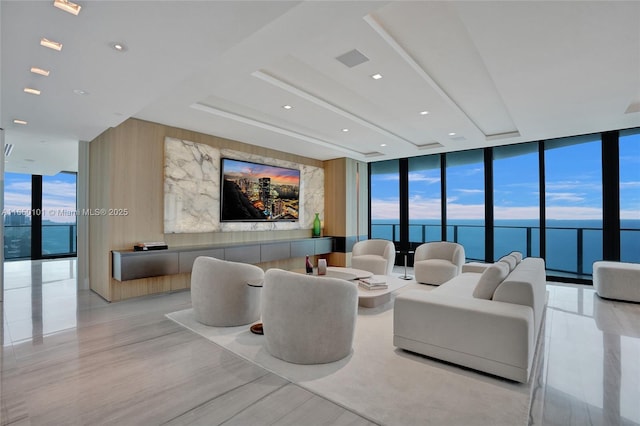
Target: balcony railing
x=570 y=250
x=56 y=240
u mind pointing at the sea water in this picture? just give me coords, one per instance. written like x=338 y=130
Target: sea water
x=524 y=235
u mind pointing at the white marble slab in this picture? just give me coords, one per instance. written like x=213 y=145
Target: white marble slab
x=192 y=190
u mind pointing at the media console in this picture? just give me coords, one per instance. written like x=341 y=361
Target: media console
x=131 y=265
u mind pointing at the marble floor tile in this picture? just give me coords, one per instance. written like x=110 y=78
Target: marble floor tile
x=69 y=357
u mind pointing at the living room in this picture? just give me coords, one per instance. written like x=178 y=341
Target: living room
x=82 y=345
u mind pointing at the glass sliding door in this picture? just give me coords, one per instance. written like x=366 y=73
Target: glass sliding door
x=385 y=200
x=516 y=200
x=573 y=182
x=629 y=147
x=59 y=214
x=425 y=197
x=465 y=201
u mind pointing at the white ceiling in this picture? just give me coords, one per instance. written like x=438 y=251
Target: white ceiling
x=492 y=72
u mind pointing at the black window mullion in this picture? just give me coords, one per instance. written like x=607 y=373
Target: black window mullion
x=610 y=196
x=543 y=203
x=488 y=205
x=443 y=196
x=404 y=203
x=36 y=217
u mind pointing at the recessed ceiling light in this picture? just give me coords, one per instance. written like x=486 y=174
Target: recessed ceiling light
x=376 y=76
x=287 y=107
x=80 y=92
x=31 y=91
x=452 y=134
x=67 y=6
x=345 y=130
x=383 y=144
x=424 y=112
x=17 y=121
x=50 y=44
x=40 y=71
x=119 y=47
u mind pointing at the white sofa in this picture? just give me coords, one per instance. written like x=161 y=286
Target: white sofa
x=496 y=334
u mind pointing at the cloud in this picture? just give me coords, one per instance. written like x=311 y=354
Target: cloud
x=585 y=185
x=419 y=177
x=60 y=189
x=471 y=191
x=564 y=196
x=625 y=185
x=385 y=177
x=18 y=186
x=385 y=209
x=574 y=213
x=58 y=197
x=630 y=214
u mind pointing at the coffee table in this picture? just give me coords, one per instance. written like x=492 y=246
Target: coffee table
x=373 y=298
x=366 y=298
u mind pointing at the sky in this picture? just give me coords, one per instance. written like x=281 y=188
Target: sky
x=573 y=186
x=278 y=175
x=58 y=195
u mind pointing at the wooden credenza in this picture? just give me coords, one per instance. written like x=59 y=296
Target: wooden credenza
x=131 y=265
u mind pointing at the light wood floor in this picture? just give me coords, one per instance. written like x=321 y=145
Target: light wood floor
x=70 y=358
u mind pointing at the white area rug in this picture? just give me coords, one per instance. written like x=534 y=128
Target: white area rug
x=383 y=383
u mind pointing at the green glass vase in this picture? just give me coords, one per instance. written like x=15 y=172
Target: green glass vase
x=316 y=226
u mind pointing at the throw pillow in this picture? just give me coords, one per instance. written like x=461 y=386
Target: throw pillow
x=490 y=280
x=517 y=255
x=509 y=260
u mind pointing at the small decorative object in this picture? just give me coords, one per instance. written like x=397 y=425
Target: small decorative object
x=308 y=266
x=316 y=226
x=322 y=266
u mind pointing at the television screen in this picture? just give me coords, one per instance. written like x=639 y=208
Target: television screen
x=258 y=192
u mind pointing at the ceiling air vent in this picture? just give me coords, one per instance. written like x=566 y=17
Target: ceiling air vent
x=352 y=58
x=431 y=145
x=8 y=148
x=373 y=154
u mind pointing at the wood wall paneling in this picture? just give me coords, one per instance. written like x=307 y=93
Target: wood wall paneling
x=127 y=172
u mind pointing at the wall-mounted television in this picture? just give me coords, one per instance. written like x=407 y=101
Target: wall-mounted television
x=251 y=192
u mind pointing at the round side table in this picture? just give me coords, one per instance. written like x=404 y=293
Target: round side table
x=406 y=253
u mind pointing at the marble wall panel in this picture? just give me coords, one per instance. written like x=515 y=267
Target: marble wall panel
x=192 y=190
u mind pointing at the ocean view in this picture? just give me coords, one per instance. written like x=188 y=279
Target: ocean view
x=562 y=239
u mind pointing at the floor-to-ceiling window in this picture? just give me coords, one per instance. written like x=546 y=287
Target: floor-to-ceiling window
x=425 y=198
x=557 y=199
x=17 y=216
x=516 y=200
x=629 y=148
x=59 y=214
x=465 y=201
x=384 y=185
x=573 y=183
x=39 y=216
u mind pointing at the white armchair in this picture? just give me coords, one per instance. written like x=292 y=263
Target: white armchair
x=220 y=295
x=308 y=319
x=438 y=262
x=375 y=256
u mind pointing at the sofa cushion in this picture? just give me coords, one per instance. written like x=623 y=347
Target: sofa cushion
x=509 y=260
x=517 y=255
x=490 y=280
